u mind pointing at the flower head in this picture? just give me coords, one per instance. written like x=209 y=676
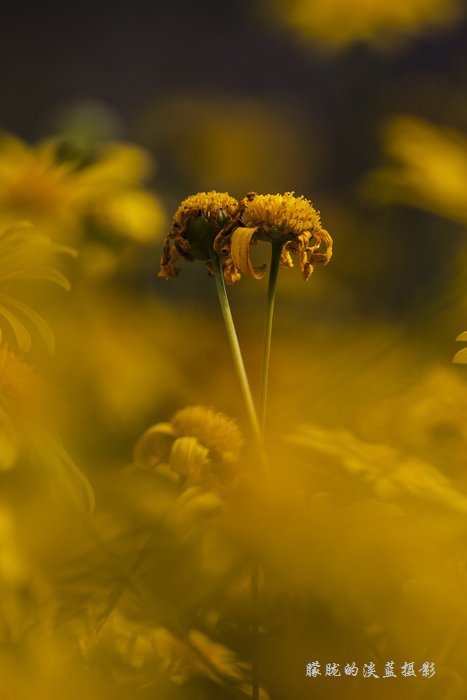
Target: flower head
x=24 y=255
x=336 y=24
x=428 y=169
x=199 y=442
x=216 y=431
x=70 y=190
x=290 y=221
x=199 y=224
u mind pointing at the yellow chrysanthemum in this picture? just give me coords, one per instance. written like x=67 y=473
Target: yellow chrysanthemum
x=24 y=255
x=429 y=168
x=63 y=189
x=338 y=23
x=290 y=221
x=22 y=398
x=216 y=431
x=199 y=224
x=197 y=443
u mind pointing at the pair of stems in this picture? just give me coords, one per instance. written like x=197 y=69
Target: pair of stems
x=257 y=426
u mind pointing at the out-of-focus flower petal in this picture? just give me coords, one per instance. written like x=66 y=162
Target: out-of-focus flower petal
x=149 y=451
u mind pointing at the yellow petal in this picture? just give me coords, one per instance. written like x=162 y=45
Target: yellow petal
x=44 y=273
x=132 y=213
x=73 y=484
x=43 y=327
x=22 y=336
x=462 y=336
x=148 y=453
x=318 y=258
x=121 y=164
x=460 y=357
x=286 y=259
x=188 y=456
x=240 y=251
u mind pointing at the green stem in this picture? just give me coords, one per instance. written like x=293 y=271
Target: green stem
x=237 y=355
x=275 y=260
x=256 y=427
x=258 y=438
x=274 y=269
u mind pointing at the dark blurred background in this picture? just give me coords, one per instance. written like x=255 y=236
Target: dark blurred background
x=230 y=96
x=240 y=96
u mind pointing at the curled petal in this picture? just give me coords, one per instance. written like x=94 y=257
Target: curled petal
x=188 y=456
x=306 y=266
x=316 y=258
x=149 y=450
x=240 y=251
x=286 y=259
x=231 y=274
x=169 y=256
x=321 y=258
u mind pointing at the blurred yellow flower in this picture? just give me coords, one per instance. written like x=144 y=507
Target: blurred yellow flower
x=198 y=443
x=22 y=399
x=390 y=472
x=137 y=645
x=428 y=419
x=338 y=23
x=181 y=661
x=199 y=223
x=285 y=219
x=23 y=430
x=268 y=147
x=430 y=169
x=216 y=431
x=24 y=255
x=64 y=189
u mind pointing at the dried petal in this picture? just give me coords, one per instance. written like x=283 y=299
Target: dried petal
x=240 y=251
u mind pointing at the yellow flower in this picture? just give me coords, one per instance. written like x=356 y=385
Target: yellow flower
x=199 y=224
x=22 y=400
x=24 y=255
x=216 y=431
x=284 y=219
x=199 y=442
x=429 y=169
x=338 y=23
x=65 y=189
x=390 y=472
x=182 y=661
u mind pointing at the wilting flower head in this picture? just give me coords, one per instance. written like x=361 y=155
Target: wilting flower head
x=290 y=221
x=24 y=255
x=199 y=224
x=22 y=399
x=198 y=442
